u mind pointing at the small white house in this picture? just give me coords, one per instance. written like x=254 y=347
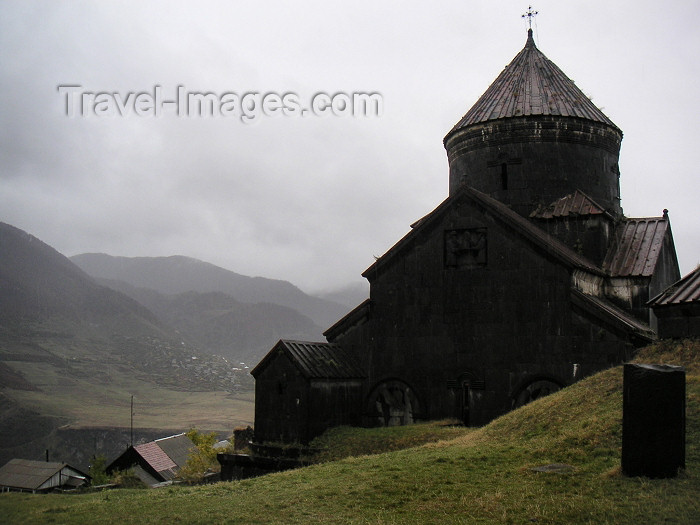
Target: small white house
x=26 y=475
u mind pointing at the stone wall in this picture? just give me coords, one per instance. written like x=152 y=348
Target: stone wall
x=281 y=402
x=291 y=408
x=470 y=337
x=531 y=161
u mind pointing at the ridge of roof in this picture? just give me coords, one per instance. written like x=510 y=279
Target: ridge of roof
x=170 y=437
x=318 y=360
x=531 y=85
x=529 y=230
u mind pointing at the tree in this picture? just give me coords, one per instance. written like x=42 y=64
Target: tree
x=98 y=470
x=202 y=457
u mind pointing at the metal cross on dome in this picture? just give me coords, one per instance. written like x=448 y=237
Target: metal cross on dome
x=529 y=15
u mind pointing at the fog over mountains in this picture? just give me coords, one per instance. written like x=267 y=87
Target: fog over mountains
x=229 y=314
x=213 y=309
x=39 y=284
x=76 y=344
x=56 y=319
x=215 y=321
x=178 y=274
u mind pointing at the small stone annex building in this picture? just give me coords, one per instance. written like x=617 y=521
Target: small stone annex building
x=525 y=279
x=313 y=386
x=678 y=308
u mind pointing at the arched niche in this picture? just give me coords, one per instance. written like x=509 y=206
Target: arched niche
x=535 y=388
x=393 y=403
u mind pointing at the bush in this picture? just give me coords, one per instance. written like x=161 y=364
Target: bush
x=98 y=471
x=127 y=479
x=202 y=457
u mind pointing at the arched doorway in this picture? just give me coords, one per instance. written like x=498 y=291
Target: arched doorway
x=468 y=393
x=535 y=388
x=393 y=403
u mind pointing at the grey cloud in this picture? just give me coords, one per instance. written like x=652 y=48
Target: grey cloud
x=310 y=200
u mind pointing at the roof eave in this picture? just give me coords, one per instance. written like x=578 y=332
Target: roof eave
x=356 y=315
x=265 y=360
x=614 y=316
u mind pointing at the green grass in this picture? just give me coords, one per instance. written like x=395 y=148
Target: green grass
x=342 y=442
x=476 y=476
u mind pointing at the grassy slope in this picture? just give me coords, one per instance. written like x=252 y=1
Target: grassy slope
x=479 y=476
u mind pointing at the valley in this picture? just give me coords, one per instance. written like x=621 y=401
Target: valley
x=75 y=348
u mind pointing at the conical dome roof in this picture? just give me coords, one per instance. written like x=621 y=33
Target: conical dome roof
x=532 y=85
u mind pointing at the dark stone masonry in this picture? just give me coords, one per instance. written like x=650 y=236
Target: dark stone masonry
x=525 y=279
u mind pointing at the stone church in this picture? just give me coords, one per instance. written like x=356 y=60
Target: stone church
x=525 y=279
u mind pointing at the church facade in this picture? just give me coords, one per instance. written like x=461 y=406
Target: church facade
x=527 y=278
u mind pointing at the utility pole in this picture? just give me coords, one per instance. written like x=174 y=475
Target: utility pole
x=132 y=421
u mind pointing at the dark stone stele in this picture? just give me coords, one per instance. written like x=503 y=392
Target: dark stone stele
x=653 y=420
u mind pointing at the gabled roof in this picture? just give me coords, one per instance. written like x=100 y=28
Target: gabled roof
x=157 y=459
x=638 y=244
x=551 y=245
x=161 y=458
x=176 y=447
x=573 y=205
x=315 y=360
x=685 y=291
x=531 y=85
x=33 y=475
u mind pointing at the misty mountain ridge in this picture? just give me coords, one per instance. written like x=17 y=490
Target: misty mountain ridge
x=178 y=274
x=74 y=348
x=221 y=324
x=54 y=313
x=39 y=284
x=349 y=295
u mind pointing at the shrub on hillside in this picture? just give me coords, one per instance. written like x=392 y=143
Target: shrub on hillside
x=202 y=458
x=98 y=471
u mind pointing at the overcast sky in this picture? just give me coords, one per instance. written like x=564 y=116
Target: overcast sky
x=312 y=199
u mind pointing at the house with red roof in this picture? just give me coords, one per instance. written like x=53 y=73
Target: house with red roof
x=157 y=461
